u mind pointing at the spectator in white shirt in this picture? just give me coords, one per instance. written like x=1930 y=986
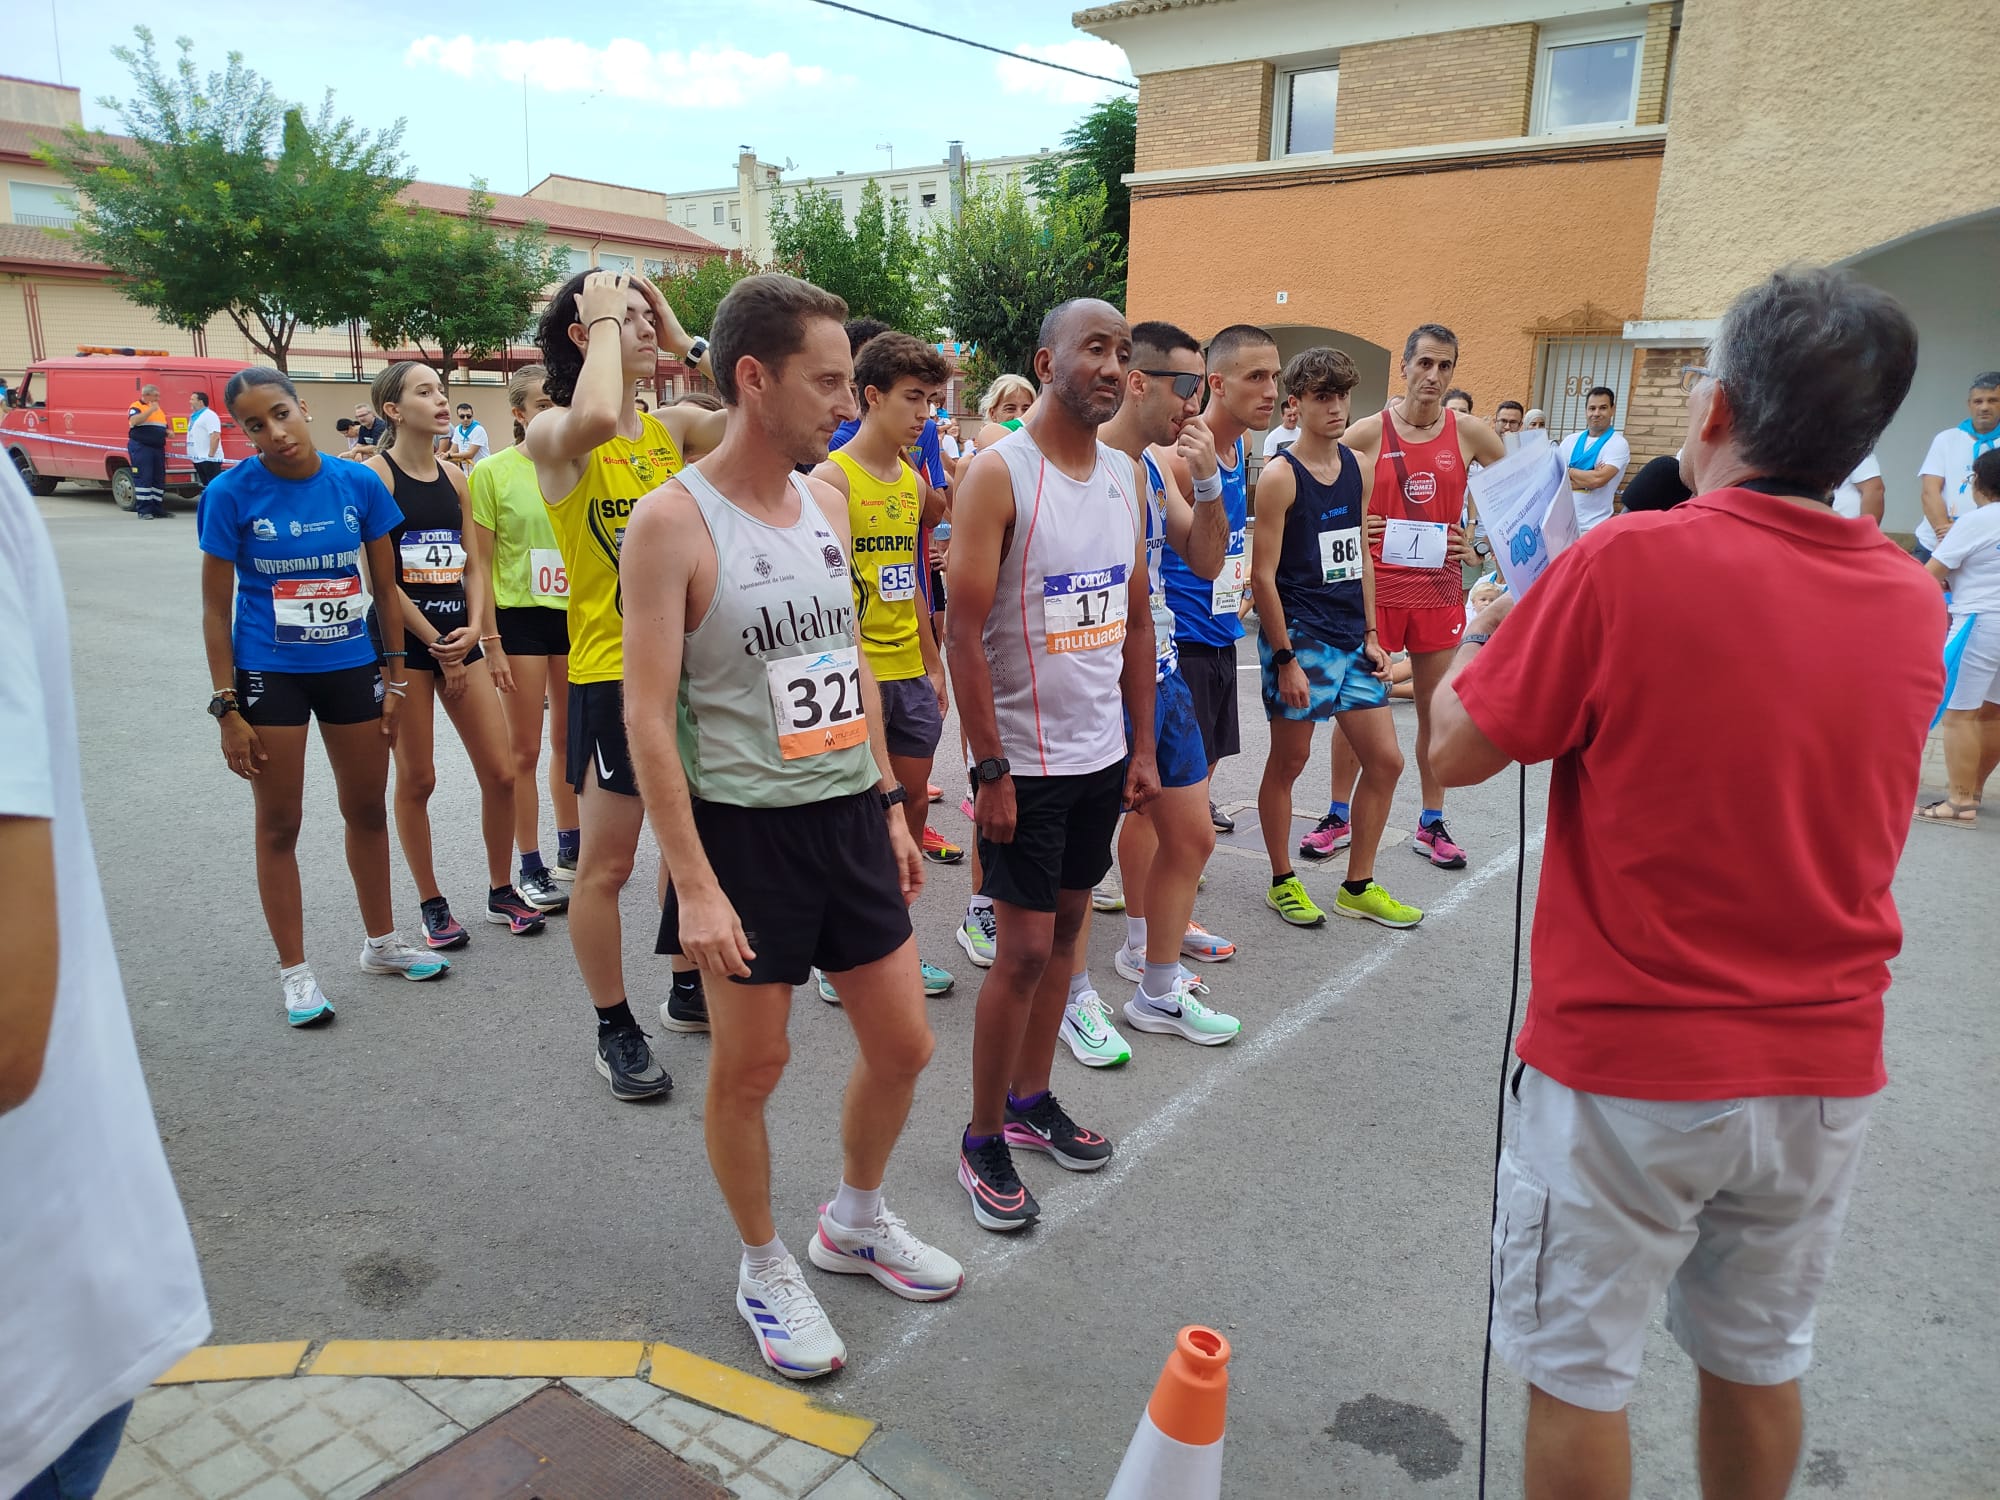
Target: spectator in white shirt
x=1966 y=562
x=1947 y=472
x=1596 y=458
x=469 y=442
x=204 y=439
x=1286 y=432
x=99 y=1290
x=1861 y=493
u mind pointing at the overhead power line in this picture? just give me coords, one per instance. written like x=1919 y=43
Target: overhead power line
x=946 y=36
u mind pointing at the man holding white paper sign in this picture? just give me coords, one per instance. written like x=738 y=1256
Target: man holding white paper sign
x=1419 y=452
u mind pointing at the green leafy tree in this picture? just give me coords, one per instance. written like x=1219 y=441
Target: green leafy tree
x=1007 y=261
x=227 y=201
x=877 y=266
x=456 y=287
x=694 y=289
x=1097 y=151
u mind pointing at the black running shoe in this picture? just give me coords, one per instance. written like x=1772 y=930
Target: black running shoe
x=629 y=1065
x=564 y=868
x=1045 y=1127
x=441 y=929
x=999 y=1201
x=541 y=891
x=687 y=1007
x=512 y=911
x=1222 y=821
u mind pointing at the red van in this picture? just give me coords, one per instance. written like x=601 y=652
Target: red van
x=68 y=419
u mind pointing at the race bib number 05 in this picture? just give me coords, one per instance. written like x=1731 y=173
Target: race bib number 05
x=896 y=581
x=1340 y=555
x=547 y=577
x=1226 y=594
x=319 y=611
x=433 y=557
x=1084 y=611
x=817 y=701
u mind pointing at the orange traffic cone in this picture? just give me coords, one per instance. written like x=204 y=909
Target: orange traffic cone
x=1177 y=1452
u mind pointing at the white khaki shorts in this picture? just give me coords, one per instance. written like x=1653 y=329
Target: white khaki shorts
x=1979 y=669
x=1732 y=1207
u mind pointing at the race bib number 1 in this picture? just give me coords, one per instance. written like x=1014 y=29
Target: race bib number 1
x=1226 y=594
x=1084 y=611
x=817 y=702
x=547 y=577
x=318 y=611
x=896 y=581
x=1340 y=555
x=434 y=557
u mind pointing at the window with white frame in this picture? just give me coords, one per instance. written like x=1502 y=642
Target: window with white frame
x=1587 y=80
x=1302 y=111
x=42 y=204
x=655 y=268
x=691 y=216
x=579 y=260
x=609 y=262
x=718 y=213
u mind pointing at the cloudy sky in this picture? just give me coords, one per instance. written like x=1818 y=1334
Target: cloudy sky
x=660 y=96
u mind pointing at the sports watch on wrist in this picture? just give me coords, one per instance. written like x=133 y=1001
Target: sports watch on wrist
x=895 y=797
x=696 y=350
x=992 y=768
x=222 y=705
x=1284 y=658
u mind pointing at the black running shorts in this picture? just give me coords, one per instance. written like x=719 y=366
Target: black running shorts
x=445 y=615
x=1063 y=826
x=347 y=695
x=597 y=738
x=1210 y=672
x=814 y=886
x=533 y=630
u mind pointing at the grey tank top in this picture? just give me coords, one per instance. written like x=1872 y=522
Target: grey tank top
x=770 y=710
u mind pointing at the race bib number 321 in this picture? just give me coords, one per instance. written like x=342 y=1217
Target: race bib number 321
x=318 y=611
x=1084 y=611
x=817 y=701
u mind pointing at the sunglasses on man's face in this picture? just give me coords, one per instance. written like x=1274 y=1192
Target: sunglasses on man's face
x=1184 y=384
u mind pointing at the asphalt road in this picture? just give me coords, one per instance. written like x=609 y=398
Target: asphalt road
x=445 y=1162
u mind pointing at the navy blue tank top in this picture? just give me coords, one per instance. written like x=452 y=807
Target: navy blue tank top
x=430 y=544
x=1323 y=542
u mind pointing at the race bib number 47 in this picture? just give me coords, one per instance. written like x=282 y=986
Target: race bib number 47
x=1084 y=611
x=318 y=611
x=817 y=701
x=433 y=557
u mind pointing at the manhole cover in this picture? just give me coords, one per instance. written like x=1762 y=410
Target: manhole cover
x=553 y=1446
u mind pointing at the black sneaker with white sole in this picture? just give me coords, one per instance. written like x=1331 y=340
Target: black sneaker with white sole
x=1044 y=1126
x=999 y=1200
x=686 y=1008
x=628 y=1064
x=507 y=907
x=1221 y=820
x=540 y=891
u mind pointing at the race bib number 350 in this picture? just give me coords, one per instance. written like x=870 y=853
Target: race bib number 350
x=817 y=701
x=1340 y=555
x=547 y=578
x=1084 y=611
x=319 y=611
x=433 y=557
x=896 y=581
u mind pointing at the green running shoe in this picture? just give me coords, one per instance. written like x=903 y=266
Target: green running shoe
x=826 y=990
x=977 y=935
x=1180 y=1014
x=1376 y=905
x=936 y=981
x=1087 y=1029
x=1289 y=900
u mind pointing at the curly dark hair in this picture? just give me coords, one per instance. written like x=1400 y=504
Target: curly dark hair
x=890 y=357
x=559 y=352
x=1319 y=371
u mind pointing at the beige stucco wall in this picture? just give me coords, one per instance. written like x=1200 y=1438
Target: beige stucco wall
x=1804 y=130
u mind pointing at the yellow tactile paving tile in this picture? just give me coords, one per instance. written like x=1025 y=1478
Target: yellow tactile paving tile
x=238 y=1362
x=428 y=1358
x=759 y=1401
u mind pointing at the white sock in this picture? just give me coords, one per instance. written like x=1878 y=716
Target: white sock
x=295 y=971
x=379 y=943
x=763 y=1257
x=1078 y=983
x=979 y=903
x=1135 y=934
x=855 y=1208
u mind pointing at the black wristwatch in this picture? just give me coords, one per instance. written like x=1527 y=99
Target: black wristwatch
x=1284 y=658
x=992 y=769
x=894 y=797
x=222 y=705
x=692 y=359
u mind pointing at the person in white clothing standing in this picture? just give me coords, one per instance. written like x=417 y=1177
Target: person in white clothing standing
x=1596 y=458
x=1967 y=564
x=1947 y=472
x=1285 y=433
x=1051 y=634
x=204 y=439
x=102 y=1293
x=1861 y=493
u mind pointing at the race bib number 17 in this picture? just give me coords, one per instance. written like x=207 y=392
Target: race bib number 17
x=318 y=611
x=1084 y=611
x=817 y=702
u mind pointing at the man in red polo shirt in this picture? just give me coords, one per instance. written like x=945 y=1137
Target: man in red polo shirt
x=1704 y=1040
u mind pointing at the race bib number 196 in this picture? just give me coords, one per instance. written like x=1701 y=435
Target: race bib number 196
x=1084 y=611
x=1340 y=555
x=817 y=701
x=318 y=611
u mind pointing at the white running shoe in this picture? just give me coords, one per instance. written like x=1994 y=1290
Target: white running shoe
x=887 y=1251
x=1087 y=1029
x=304 y=1004
x=1180 y=1014
x=793 y=1333
x=1130 y=962
x=398 y=957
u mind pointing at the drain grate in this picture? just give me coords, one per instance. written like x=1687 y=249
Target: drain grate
x=553 y=1446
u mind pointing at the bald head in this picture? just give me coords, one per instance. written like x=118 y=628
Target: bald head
x=1086 y=348
x=1065 y=318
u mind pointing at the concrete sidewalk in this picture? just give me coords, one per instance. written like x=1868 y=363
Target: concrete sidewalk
x=293 y=1421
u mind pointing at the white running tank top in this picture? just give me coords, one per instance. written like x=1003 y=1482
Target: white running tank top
x=770 y=711
x=1055 y=639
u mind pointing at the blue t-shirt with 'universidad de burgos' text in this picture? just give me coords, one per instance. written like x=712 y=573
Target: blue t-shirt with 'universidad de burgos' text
x=301 y=603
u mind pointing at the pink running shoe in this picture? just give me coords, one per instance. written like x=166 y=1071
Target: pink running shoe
x=1331 y=834
x=1433 y=842
x=1202 y=944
